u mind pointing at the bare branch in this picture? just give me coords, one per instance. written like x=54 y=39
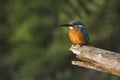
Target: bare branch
x=97 y=59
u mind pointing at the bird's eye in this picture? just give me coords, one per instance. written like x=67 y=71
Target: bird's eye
x=71 y=25
x=76 y=25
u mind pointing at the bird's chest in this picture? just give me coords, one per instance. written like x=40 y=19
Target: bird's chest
x=76 y=36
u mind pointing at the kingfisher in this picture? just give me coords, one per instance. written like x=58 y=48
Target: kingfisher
x=78 y=34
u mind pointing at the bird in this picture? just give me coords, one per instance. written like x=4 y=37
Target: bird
x=78 y=33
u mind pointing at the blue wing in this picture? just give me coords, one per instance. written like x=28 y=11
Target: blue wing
x=85 y=33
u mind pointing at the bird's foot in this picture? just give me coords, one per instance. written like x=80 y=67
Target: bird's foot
x=73 y=45
x=76 y=46
x=80 y=45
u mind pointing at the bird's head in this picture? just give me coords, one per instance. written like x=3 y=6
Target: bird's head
x=74 y=24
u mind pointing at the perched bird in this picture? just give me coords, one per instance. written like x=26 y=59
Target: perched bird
x=78 y=33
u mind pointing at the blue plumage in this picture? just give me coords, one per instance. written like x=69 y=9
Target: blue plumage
x=85 y=33
x=78 y=24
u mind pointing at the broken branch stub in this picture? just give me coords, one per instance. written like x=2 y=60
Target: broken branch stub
x=98 y=59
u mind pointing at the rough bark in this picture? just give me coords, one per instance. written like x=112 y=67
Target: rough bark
x=97 y=59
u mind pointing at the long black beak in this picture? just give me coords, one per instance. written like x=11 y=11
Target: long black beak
x=65 y=25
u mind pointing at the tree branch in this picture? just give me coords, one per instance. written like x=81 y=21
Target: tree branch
x=97 y=59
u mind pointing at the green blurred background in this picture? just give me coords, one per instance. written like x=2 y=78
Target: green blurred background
x=34 y=47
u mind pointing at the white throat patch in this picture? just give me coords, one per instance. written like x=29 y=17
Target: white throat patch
x=70 y=27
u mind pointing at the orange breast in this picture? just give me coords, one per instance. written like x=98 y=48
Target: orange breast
x=76 y=36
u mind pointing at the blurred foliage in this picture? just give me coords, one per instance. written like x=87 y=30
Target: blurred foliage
x=34 y=47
